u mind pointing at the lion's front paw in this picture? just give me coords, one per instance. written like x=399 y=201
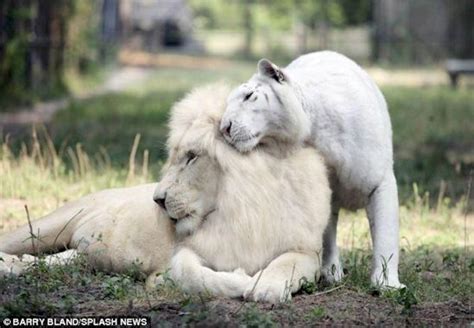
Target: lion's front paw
x=12 y=264
x=154 y=281
x=268 y=290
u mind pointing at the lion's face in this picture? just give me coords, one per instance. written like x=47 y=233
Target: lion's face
x=188 y=188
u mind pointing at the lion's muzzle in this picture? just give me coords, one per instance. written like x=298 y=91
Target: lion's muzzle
x=160 y=199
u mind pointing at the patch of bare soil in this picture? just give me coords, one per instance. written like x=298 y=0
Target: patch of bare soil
x=345 y=308
x=350 y=308
x=342 y=308
x=79 y=294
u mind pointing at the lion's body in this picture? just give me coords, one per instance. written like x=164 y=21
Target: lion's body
x=114 y=228
x=328 y=101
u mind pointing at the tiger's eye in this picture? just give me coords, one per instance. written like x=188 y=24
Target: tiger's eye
x=248 y=96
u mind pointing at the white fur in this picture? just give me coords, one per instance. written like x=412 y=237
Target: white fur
x=12 y=264
x=269 y=213
x=349 y=124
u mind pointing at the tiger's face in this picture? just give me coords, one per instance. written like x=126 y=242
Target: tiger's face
x=252 y=109
x=263 y=108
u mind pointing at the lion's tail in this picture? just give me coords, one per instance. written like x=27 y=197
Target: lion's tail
x=51 y=233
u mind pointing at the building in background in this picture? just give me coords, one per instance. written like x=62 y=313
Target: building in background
x=155 y=24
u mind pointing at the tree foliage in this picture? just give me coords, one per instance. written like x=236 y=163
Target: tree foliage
x=39 y=40
x=214 y=14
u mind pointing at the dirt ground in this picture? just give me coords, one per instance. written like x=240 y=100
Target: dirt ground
x=340 y=306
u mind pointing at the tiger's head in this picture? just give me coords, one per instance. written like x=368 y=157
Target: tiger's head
x=264 y=108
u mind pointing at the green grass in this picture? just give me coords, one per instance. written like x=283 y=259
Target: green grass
x=13 y=97
x=73 y=83
x=433 y=138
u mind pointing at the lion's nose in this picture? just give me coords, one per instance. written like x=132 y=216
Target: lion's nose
x=160 y=200
x=226 y=128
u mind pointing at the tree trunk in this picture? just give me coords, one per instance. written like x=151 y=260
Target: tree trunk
x=248 y=26
x=461 y=27
x=41 y=44
x=110 y=27
x=324 y=26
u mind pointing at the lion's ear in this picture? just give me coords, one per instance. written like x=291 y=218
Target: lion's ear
x=267 y=68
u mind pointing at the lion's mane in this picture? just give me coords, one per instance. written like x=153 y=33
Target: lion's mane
x=266 y=205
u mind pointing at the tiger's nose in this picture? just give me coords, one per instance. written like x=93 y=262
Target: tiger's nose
x=160 y=200
x=226 y=128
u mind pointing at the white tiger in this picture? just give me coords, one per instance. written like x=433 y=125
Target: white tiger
x=328 y=101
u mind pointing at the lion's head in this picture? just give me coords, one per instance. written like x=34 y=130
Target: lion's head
x=189 y=185
x=264 y=108
x=188 y=188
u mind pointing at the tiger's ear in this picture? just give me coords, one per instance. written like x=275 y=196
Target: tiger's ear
x=267 y=68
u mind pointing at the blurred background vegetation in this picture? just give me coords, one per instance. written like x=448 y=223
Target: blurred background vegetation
x=97 y=73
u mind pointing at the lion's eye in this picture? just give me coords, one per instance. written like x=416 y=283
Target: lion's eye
x=191 y=157
x=247 y=96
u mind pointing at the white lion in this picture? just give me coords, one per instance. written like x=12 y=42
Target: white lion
x=235 y=214
x=326 y=100
x=268 y=213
